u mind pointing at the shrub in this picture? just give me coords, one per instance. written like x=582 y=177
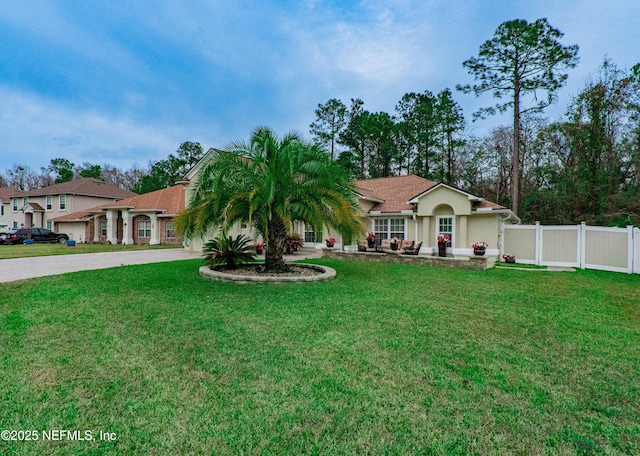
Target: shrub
x=293 y=242
x=228 y=251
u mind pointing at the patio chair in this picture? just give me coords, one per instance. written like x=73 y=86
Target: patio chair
x=414 y=250
x=406 y=244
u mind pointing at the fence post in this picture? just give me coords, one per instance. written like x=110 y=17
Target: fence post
x=636 y=250
x=538 y=247
x=582 y=232
x=630 y=248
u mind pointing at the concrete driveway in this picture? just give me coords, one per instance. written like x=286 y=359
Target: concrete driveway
x=28 y=268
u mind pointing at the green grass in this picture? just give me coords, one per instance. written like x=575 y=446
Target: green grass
x=384 y=359
x=33 y=250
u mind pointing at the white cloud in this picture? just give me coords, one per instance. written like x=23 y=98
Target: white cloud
x=35 y=130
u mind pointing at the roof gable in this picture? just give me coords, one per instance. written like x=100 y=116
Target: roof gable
x=443 y=185
x=205 y=160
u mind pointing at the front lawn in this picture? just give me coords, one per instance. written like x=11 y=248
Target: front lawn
x=33 y=250
x=385 y=359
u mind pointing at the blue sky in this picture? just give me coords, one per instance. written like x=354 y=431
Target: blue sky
x=125 y=83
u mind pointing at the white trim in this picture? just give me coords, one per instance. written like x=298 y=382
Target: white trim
x=60 y=209
x=392 y=217
x=453 y=231
x=469 y=195
x=370 y=198
x=636 y=250
x=469 y=252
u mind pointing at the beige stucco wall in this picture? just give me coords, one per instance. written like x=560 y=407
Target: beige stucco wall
x=459 y=202
x=5 y=218
x=483 y=228
x=195 y=244
x=75 y=231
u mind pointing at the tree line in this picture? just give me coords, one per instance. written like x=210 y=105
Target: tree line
x=156 y=176
x=583 y=167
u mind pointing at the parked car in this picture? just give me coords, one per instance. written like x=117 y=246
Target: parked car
x=37 y=234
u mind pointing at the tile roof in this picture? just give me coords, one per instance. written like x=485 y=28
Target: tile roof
x=486 y=204
x=81 y=216
x=169 y=201
x=394 y=191
x=85 y=186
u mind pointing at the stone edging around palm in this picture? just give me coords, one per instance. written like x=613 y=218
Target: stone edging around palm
x=326 y=273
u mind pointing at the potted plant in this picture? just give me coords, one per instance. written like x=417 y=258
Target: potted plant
x=443 y=241
x=508 y=258
x=259 y=246
x=394 y=241
x=330 y=241
x=479 y=248
x=371 y=239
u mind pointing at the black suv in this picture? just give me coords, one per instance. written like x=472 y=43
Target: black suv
x=37 y=234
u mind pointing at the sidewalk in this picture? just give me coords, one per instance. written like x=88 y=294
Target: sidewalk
x=28 y=268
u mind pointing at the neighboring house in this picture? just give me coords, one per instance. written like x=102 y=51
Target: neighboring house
x=141 y=219
x=406 y=207
x=190 y=181
x=38 y=208
x=6 y=196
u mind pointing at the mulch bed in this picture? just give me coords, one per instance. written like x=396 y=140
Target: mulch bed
x=257 y=270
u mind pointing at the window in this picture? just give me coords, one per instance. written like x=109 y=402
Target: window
x=388 y=228
x=445 y=226
x=1 y=210
x=144 y=227
x=25 y=200
x=49 y=225
x=103 y=227
x=15 y=224
x=14 y=204
x=169 y=230
x=49 y=202
x=63 y=202
x=309 y=235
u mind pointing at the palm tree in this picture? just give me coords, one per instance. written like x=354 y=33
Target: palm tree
x=270 y=183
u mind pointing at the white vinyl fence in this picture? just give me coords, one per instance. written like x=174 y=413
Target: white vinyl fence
x=580 y=246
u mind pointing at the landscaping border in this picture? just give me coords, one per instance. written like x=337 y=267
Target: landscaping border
x=327 y=273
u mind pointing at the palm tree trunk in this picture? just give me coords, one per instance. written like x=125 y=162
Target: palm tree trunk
x=274 y=260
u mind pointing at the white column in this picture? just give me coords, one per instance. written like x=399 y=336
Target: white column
x=155 y=230
x=112 y=227
x=127 y=228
